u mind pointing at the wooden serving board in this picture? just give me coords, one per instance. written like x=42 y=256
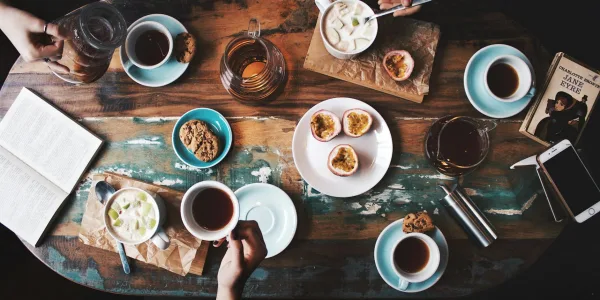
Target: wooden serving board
x=186 y=254
x=419 y=38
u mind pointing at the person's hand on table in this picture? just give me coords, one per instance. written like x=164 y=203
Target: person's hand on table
x=246 y=250
x=387 y=4
x=26 y=33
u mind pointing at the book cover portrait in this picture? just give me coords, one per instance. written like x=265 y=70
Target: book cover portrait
x=562 y=110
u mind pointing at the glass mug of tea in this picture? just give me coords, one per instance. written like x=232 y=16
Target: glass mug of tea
x=508 y=78
x=92 y=32
x=455 y=145
x=210 y=210
x=416 y=257
x=252 y=68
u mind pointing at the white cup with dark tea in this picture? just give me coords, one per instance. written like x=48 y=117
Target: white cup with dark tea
x=416 y=257
x=148 y=45
x=508 y=78
x=210 y=210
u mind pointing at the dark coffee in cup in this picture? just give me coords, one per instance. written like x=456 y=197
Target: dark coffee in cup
x=151 y=47
x=212 y=209
x=503 y=80
x=411 y=255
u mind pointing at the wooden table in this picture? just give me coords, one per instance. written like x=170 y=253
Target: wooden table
x=332 y=253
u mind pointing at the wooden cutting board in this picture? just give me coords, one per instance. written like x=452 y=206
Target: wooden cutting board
x=186 y=254
x=419 y=38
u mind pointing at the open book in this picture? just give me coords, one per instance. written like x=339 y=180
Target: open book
x=43 y=153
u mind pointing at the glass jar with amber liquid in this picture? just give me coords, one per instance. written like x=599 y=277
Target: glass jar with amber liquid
x=252 y=68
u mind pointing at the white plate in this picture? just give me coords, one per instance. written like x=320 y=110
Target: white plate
x=274 y=212
x=374 y=150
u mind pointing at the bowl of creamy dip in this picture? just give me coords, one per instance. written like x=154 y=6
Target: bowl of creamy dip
x=133 y=216
x=343 y=28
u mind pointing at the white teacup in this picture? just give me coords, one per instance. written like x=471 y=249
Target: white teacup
x=525 y=86
x=156 y=235
x=426 y=272
x=132 y=36
x=188 y=217
x=324 y=7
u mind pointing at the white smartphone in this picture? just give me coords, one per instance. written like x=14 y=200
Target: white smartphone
x=569 y=176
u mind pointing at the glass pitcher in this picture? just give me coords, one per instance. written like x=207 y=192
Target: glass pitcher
x=92 y=32
x=252 y=68
x=455 y=145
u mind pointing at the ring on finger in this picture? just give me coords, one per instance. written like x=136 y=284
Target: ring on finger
x=45 y=27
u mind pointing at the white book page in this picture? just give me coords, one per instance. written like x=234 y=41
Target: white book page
x=28 y=201
x=48 y=141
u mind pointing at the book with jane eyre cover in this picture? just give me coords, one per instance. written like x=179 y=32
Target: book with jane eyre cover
x=564 y=103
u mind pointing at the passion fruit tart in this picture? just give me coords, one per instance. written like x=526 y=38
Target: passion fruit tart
x=399 y=64
x=325 y=125
x=343 y=160
x=356 y=122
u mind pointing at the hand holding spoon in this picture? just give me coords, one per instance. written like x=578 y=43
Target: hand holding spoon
x=394 y=9
x=103 y=192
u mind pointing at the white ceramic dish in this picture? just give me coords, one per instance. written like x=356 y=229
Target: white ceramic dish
x=374 y=150
x=274 y=212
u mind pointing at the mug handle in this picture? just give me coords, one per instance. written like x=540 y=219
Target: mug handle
x=322 y=5
x=402 y=284
x=160 y=239
x=531 y=91
x=254 y=28
x=127 y=64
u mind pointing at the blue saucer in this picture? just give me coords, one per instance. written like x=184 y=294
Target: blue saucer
x=383 y=253
x=474 y=83
x=169 y=71
x=219 y=126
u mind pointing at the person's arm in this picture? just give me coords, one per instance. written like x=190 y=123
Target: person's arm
x=387 y=4
x=246 y=251
x=26 y=33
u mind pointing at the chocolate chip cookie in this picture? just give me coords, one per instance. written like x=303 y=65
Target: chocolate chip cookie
x=200 y=140
x=185 y=47
x=417 y=222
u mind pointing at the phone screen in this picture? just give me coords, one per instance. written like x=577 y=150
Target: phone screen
x=572 y=180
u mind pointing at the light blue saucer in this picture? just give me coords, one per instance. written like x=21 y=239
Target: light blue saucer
x=169 y=71
x=219 y=126
x=474 y=83
x=274 y=212
x=383 y=254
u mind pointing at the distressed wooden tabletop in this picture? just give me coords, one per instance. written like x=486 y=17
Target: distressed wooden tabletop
x=332 y=252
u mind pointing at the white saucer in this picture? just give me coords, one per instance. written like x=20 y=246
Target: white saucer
x=274 y=212
x=374 y=150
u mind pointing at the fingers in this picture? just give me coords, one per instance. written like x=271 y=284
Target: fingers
x=54 y=49
x=54 y=31
x=58 y=68
x=218 y=243
x=406 y=3
x=249 y=230
x=408 y=11
x=237 y=253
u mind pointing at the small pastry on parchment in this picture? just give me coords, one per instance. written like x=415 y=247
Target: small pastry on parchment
x=417 y=222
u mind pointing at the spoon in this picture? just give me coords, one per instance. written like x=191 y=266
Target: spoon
x=103 y=192
x=393 y=9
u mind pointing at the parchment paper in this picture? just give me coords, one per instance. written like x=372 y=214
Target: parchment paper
x=419 y=38
x=186 y=252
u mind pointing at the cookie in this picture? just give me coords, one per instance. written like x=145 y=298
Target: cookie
x=200 y=140
x=417 y=222
x=185 y=47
